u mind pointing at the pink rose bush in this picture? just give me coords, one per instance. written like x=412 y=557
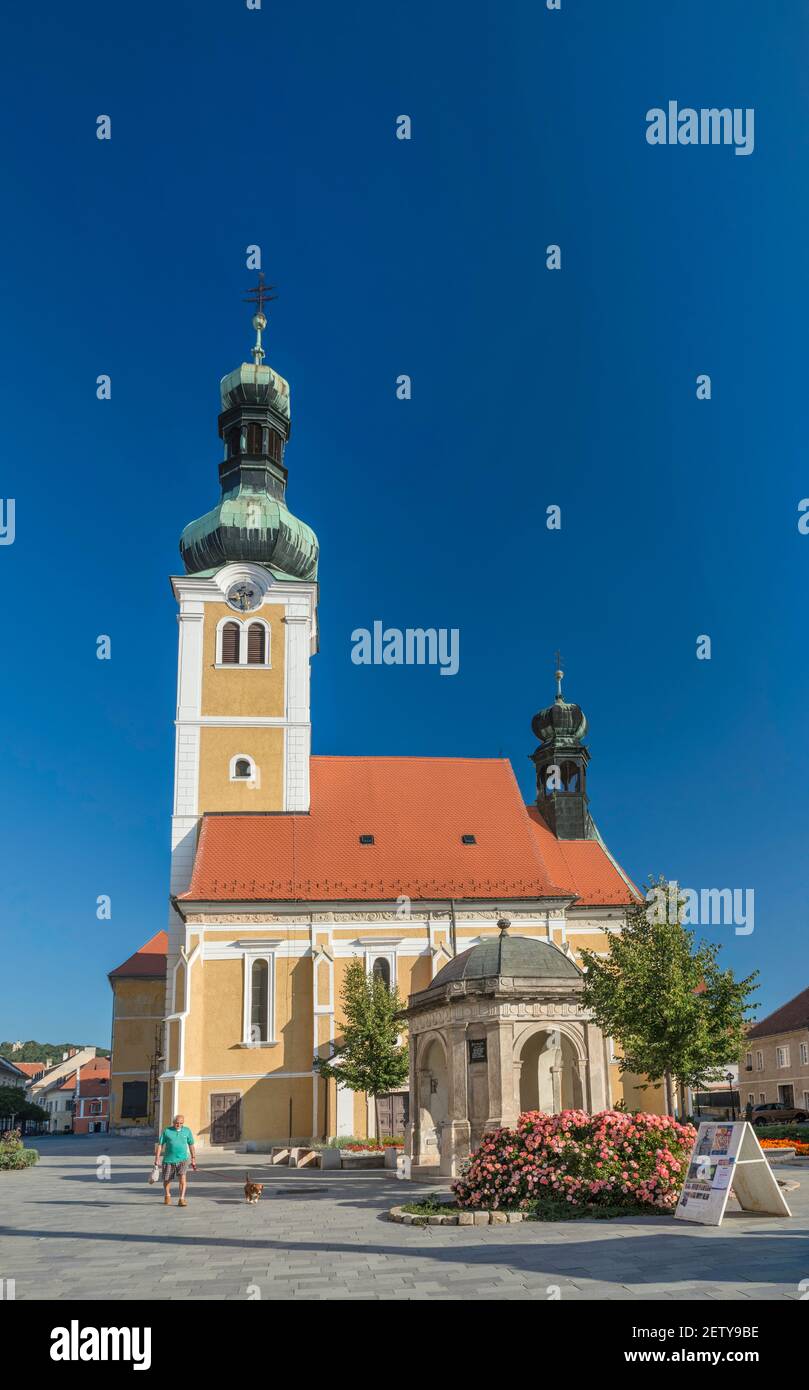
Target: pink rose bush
x=609 y=1159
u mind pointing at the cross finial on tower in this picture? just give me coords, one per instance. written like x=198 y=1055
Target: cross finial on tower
x=259 y=295
x=559 y=675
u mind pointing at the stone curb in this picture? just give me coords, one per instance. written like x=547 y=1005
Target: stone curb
x=457 y=1218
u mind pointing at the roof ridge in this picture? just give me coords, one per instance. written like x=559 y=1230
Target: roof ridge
x=403 y=758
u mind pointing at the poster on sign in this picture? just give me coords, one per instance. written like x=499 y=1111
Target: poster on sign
x=728 y=1157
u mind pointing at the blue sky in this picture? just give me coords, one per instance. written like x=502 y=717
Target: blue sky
x=530 y=388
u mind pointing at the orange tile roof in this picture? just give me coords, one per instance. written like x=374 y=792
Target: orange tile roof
x=417 y=810
x=30 y=1068
x=790 y=1018
x=148 y=962
x=97 y=1068
x=583 y=865
x=95 y=1088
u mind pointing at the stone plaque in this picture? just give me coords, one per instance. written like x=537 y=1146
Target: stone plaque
x=477 y=1050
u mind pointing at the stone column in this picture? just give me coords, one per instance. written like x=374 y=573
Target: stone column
x=455 y=1130
x=413 y=1126
x=556 y=1083
x=503 y=1105
x=598 y=1088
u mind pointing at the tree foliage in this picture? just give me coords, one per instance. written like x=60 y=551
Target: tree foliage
x=664 y=998
x=13 y=1102
x=370 y=1057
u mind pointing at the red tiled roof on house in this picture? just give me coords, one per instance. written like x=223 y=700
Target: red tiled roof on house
x=96 y=1073
x=148 y=962
x=97 y=1068
x=418 y=810
x=791 y=1017
x=30 y=1068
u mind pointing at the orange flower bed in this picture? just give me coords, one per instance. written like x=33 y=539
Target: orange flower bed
x=796 y=1144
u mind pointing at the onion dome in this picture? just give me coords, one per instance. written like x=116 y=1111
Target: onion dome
x=516 y=957
x=254 y=384
x=251 y=522
x=560 y=720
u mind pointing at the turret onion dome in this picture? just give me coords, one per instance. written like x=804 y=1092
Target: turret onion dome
x=559 y=720
x=254 y=385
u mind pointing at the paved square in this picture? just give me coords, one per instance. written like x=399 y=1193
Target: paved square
x=65 y=1233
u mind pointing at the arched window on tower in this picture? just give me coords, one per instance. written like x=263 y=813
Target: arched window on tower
x=234 y=438
x=256 y=644
x=254 y=439
x=231 y=633
x=242 y=769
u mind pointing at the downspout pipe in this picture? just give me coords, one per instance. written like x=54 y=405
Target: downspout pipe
x=453 y=930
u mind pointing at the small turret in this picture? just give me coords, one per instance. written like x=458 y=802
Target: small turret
x=561 y=765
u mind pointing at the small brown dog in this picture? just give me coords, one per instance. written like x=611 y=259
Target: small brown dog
x=252 y=1190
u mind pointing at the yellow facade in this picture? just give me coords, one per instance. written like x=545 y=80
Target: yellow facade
x=280 y=1097
x=138 y=1008
x=218 y=747
x=241 y=693
x=243 y=690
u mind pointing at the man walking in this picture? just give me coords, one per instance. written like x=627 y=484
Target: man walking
x=177 y=1142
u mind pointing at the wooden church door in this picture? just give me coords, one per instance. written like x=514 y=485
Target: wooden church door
x=226 y=1118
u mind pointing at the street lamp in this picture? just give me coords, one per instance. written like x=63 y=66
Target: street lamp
x=729 y=1079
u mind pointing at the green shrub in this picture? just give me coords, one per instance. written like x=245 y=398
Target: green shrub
x=558 y=1209
x=799 y=1132
x=13 y=1153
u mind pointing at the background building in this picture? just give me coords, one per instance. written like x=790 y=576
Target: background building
x=775 y=1066
x=138 y=991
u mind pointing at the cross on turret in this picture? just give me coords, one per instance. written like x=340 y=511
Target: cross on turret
x=259 y=295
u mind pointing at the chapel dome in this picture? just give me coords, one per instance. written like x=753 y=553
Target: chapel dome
x=521 y=957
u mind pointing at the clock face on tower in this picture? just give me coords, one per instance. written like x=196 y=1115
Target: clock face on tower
x=243 y=596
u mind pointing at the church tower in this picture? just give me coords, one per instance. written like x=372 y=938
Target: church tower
x=247 y=622
x=561 y=763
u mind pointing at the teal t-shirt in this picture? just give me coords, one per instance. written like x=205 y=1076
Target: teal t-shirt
x=176 y=1142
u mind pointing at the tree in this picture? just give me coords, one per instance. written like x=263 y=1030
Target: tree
x=370 y=1057
x=13 y=1105
x=664 y=998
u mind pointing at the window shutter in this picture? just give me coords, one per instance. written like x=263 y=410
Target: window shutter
x=256 y=637
x=230 y=644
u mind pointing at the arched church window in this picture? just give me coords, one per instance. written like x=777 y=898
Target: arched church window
x=381 y=971
x=234 y=439
x=259 y=1001
x=275 y=445
x=242 y=768
x=256 y=644
x=254 y=438
x=230 y=644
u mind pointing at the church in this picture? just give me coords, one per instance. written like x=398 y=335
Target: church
x=286 y=865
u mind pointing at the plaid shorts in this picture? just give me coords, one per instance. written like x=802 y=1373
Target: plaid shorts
x=174 y=1170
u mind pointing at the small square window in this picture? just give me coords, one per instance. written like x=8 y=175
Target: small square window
x=468 y=840
x=366 y=839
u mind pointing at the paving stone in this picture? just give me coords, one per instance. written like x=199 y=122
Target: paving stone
x=64 y=1235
